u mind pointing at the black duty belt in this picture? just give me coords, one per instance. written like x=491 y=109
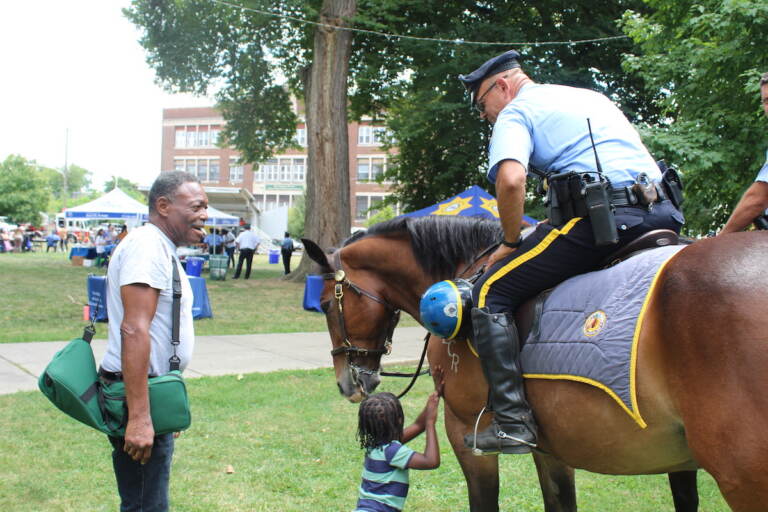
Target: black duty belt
x=625 y=196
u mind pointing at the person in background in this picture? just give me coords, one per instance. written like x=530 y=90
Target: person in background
x=286 y=250
x=229 y=246
x=52 y=240
x=213 y=242
x=247 y=243
x=111 y=234
x=3 y=240
x=122 y=234
x=18 y=240
x=100 y=242
x=139 y=303
x=754 y=202
x=64 y=236
x=387 y=458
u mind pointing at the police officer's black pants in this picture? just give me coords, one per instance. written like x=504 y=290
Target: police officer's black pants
x=549 y=256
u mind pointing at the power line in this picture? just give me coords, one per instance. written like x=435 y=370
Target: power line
x=416 y=38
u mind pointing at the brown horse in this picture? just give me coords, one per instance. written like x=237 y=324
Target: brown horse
x=700 y=365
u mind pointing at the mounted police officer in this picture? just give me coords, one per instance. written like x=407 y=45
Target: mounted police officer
x=601 y=195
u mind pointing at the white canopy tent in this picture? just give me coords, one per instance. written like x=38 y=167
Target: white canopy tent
x=115 y=204
x=219 y=218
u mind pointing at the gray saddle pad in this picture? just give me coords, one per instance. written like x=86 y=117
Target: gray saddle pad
x=589 y=327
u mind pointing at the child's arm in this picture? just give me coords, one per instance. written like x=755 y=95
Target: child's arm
x=418 y=426
x=430 y=459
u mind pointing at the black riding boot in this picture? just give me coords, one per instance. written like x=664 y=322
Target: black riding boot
x=513 y=429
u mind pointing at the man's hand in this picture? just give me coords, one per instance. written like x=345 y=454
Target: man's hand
x=499 y=254
x=139 y=438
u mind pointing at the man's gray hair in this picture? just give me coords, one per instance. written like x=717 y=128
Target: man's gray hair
x=166 y=185
x=764 y=79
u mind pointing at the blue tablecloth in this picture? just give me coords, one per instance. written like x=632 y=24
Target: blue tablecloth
x=97 y=297
x=201 y=307
x=88 y=253
x=313 y=289
x=201 y=304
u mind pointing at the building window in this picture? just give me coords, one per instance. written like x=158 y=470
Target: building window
x=301 y=137
x=282 y=169
x=299 y=170
x=370 y=168
x=364 y=135
x=215 y=135
x=178 y=165
x=192 y=167
x=366 y=206
x=191 y=135
x=202 y=170
x=202 y=137
x=181 y=138
x=371 y=135
x=235 y=172
x=213 y=171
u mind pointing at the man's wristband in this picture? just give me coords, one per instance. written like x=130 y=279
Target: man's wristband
x=512 y=245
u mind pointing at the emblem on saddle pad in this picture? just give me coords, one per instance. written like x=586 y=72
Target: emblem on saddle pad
x=594 y=323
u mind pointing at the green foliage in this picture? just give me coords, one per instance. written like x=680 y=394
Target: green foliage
x=78 y=180
x=381 y=215
x=706 y=56
x=127 y=186
x=24 y=190
x=195 y=44
x=296 y=216
x=441 y=142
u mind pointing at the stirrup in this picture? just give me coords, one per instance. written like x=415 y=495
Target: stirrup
x=501 y=434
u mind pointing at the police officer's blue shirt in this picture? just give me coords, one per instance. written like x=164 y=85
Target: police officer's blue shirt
x=763 y=174
x=546 y=126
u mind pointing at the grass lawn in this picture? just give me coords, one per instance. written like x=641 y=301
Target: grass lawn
x=291 y=441
x=36 y=306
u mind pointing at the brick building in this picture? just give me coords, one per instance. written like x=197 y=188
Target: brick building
x=268 y=189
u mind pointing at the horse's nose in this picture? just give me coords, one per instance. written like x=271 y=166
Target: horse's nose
x=369 y=382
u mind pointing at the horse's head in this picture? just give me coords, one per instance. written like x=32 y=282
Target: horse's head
x=360 y=322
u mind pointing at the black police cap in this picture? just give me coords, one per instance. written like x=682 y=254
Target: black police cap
x=503 y=62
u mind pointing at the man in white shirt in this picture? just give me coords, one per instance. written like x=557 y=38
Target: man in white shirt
x=248 y=243
x=139 y=299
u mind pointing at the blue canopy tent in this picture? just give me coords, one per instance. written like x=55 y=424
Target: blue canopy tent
x=473 y=202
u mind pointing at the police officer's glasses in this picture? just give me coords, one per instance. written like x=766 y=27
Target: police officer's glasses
x=479 y=105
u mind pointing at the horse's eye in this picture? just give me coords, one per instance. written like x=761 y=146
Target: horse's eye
x=325 y=305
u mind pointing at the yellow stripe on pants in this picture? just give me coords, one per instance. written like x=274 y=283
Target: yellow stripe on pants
x=527 y=256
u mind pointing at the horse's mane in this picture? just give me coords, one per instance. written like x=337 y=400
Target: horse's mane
x=440 y=243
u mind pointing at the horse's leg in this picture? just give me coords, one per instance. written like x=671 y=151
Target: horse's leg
x=557 y=483
x=685 y=493
x=481 y=473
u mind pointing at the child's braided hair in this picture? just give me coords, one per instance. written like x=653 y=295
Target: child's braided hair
x=380 y=420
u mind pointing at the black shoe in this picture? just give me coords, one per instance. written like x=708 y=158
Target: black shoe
x=515 y=439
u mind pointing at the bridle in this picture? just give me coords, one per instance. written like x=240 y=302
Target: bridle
x=341 y=280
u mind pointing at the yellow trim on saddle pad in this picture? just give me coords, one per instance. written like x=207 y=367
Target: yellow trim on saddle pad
x=634 y=413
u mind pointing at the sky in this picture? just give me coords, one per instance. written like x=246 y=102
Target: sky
x=77 y=66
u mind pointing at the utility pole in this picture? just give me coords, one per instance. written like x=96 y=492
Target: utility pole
x=64 y=174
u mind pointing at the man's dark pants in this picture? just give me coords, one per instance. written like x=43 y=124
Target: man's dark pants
x=230 y=255
x=143 y=487
x=247 y=255
x=549 y=256
x=286 y=256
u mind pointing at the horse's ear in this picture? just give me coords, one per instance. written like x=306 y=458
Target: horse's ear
x=316 y=254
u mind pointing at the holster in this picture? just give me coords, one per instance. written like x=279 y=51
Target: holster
x=672 y=184
x=581 y=195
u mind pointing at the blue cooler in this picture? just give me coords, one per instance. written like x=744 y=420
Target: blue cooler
x=194 y=266
x=274 y=256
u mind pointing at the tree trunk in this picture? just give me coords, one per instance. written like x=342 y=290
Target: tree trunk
x=328 y=216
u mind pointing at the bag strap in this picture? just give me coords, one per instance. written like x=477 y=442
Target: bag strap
x=174 y=360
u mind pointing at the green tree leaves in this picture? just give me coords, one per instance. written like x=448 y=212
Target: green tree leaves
x=24 y=190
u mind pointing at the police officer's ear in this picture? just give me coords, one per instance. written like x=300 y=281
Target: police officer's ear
x=162 y=205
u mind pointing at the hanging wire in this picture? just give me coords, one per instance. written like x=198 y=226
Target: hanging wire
x=416 y=38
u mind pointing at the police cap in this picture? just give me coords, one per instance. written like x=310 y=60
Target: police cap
x=503 y=62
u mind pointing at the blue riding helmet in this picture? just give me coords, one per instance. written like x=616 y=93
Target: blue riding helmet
x=445 y=307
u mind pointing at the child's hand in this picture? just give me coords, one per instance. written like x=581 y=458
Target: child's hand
x=430 y=411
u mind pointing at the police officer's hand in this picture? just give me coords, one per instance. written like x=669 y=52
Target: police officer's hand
x=499 y=254
x=139 y=438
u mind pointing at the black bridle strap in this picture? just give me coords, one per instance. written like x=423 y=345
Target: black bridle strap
x=415 y=375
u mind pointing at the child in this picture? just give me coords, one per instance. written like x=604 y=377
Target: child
x=387 y=459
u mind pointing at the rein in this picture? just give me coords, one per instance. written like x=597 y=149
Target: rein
x=350 y=350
